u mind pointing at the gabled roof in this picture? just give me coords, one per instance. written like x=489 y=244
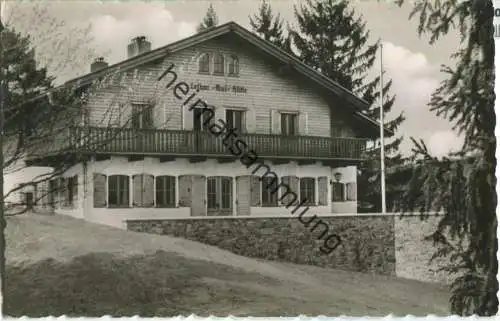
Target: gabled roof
x=353 y=101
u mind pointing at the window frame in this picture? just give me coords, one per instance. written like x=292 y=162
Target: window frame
x=72 y=194
x=219 y=62
x=122 y=191
x=215 y=192
x=288 y=116
x=234 y=112
x=268 y=199
x=201 y=61
x=168 y=186
x=140 y=122
x=307 y=185
x=342 y=192
x=233 y=68
x=203 y=127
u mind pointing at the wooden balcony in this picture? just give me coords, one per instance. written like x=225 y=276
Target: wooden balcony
x=162 y=142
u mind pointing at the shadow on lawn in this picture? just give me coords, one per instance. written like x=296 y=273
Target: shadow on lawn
x=97 y=284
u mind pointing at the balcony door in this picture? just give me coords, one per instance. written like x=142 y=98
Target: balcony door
x=289 y=131
x=202 y=119
x=220 y=195
x=289 y=124
x=142 y=118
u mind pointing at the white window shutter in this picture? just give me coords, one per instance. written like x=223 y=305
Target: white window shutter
x=275 y=122
x=187 y=118
x=250 y=120
x=162 y=115
x=220 y=113
x=303 y=126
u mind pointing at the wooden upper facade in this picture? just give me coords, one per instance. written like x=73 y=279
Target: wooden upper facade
x=278 y=106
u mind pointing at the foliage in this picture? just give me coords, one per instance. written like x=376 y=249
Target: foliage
x=332 y=39
x=24 y=81
x=210 y=20
x=463 y=184
x=270 y=27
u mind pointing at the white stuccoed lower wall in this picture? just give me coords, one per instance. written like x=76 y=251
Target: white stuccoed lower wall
x=121 y=166
x=17 y=174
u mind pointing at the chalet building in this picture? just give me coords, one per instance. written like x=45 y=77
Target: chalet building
x=138 y=151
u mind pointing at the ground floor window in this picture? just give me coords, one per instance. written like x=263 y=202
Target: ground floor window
x=118 y=191
x=220 y=194
x=338 y=192
x=269 y=191
x=72 y=190
x=308 y=190
x=52 y=192
x=165 y=191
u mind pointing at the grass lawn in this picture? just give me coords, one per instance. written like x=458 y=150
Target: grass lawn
x=59 y=265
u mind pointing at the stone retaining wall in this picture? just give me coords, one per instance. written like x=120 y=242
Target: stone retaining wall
x=367 y=241
x=383 y=244
x=413 y=252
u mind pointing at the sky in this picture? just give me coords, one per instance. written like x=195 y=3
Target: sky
x=409 y=60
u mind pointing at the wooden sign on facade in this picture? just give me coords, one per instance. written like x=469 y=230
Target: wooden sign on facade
x=220 y=88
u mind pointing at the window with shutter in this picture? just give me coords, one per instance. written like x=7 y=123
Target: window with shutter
x=142 y=116
x=269 y=191
x=308 y=190
x=99 y=190
x=338 y=192
x=165 y=191
x=118 y=191
x=220 y=194
x=63 y=191
x=75 y=189
x=323 y=190
x=351 y=191
x=52 y=192
x=235 y=119
x=289 y=124
x=72 y=190
x=289 y=198
x=203 y=118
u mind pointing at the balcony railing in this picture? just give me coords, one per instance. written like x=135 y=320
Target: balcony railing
x=181 y=142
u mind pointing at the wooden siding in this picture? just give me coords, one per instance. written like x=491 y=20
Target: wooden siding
x=266 y=90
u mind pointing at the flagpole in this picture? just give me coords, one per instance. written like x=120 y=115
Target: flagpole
x=382 y=152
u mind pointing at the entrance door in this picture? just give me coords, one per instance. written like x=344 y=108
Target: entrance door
x=198 y=194
x=220 y=195
x=243 y=195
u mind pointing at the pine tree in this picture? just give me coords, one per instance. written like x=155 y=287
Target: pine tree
x=270 y=27
x=331 y=39
x=210 y=20
x=19 y=79
x=24 y=81
x=463 y=184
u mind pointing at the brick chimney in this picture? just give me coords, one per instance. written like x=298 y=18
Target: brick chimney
x=137 y=46
x=98 y=64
